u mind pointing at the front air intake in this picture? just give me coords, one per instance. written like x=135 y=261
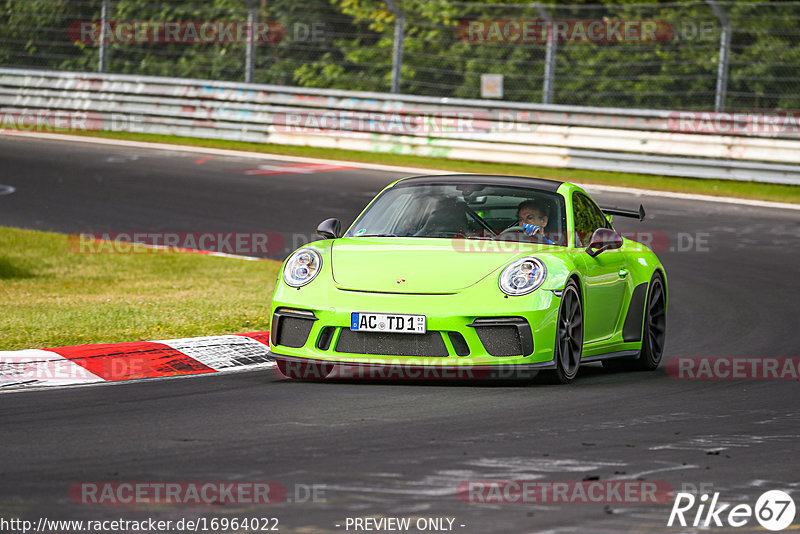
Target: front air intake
x=390 y=344
x=504 y=336
x=291 y=327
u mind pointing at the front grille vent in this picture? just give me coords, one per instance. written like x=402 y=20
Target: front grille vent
x=390 y=344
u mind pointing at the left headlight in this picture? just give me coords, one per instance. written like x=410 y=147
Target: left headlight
x=302 y=267
x=522 y=276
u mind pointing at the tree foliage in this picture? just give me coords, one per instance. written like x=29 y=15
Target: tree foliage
x=347 y=44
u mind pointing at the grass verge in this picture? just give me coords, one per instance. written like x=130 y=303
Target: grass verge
x=51 y=296
x=728 y=188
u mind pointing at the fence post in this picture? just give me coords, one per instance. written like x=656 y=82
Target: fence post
x=102 y=59
x=724 y=51
x=250 y=50
x=397 y=49
x=549 y=57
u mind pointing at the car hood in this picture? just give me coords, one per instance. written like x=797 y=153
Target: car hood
x=418 y=265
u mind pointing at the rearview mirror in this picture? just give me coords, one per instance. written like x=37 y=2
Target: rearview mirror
x=603 y=239
x=329 y=228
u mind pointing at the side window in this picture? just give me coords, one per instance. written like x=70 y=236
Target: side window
x=588 y=218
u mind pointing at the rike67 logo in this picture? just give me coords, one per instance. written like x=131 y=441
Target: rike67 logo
x=774 y=510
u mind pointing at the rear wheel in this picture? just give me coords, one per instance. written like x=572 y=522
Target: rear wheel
x=653 y=332
x=655 y=326
x=569 y=334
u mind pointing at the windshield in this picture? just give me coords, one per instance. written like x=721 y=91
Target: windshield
x=468 y=211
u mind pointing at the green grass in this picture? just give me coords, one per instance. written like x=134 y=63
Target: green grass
x=728 y=188
x=51 y=296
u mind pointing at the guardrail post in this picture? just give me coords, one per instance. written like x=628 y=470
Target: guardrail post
x=549 y=57
x=102 y=58
x=724 y=51
x=250 y=51
x=397 y=49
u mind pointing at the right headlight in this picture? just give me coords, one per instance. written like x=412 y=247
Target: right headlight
x=522 y=276
x=302 y=267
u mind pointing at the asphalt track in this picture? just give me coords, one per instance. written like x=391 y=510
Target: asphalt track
x=400 y=449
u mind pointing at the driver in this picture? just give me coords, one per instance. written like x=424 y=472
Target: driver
x=532 y=217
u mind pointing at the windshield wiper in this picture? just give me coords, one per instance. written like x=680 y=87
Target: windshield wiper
x=377 y=235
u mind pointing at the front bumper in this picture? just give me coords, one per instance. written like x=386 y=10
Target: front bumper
x=476 y=327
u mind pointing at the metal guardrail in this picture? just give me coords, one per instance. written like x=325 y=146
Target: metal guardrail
x=637 y=141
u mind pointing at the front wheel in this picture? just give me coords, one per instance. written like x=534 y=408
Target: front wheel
x=569 y=334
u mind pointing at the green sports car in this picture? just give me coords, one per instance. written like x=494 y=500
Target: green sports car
x=470 y=276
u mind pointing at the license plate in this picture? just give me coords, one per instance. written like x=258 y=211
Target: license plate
x=387 y=322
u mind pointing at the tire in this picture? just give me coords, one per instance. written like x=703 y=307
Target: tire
x=569 y=335
x=655 y=326
x=654 y=331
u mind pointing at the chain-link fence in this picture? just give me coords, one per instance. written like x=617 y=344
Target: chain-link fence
x=688 y=55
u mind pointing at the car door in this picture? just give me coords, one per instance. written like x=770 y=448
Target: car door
x=604 y=275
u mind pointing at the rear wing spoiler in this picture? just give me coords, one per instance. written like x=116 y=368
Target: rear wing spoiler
x=625 y=213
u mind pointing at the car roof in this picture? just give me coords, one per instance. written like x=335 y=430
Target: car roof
x=489 y=179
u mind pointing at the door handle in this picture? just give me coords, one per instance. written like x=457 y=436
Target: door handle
x=623 y=272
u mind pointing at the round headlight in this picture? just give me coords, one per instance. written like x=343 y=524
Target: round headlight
x=522 y=276
x=302 y=267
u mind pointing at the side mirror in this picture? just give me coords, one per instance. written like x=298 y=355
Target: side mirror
x=603 y=239
x=329 y=228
